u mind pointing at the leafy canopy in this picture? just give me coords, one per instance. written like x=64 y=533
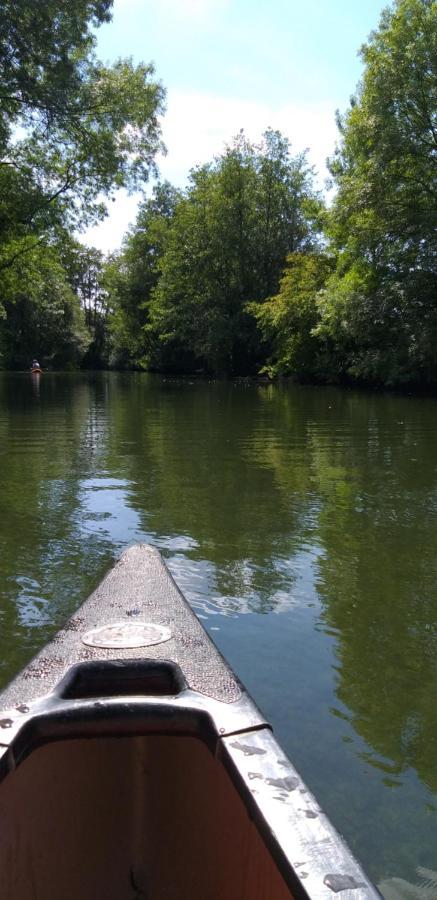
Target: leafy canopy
x=71 y=129
x=227 y=246
x=381 y=305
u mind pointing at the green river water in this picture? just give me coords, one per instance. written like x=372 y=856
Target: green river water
x=300 y=522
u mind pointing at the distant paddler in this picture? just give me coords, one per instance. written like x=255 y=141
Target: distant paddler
x=35 y=368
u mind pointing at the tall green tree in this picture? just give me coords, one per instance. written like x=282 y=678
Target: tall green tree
x=288 y=209
x=380 y=307
x=131 y=275
x=43 y=315
x=87 y=127
x=227 y=246
x=289 y=320
x=72 y=130
x=70 y=127
x=85 y=271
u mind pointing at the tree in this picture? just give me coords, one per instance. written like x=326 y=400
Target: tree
x=131 y=275
x=381 y=304
x=43 y=315
x=85 y=271
x=289 y=211
x=71 y=129
x=226 y=247
x=289 y=320
x=207 y=273
x=71 y=132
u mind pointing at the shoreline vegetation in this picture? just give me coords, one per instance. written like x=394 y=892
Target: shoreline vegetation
x=246 y=273
x=345 y=384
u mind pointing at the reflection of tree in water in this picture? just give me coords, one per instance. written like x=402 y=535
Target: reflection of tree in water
x=377 y=578
x=367 y=471
x=198 y=457
x=248 y=478
x=47 y=444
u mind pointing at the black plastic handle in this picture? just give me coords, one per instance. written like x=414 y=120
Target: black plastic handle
x=121 y=678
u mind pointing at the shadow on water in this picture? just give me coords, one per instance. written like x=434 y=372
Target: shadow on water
x=301 y=523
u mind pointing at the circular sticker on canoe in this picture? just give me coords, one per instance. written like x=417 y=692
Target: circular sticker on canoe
x=126 y=635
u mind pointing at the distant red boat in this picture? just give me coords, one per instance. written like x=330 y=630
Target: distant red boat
x=36 y=370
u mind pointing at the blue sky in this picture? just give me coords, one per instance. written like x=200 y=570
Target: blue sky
x=231 y=64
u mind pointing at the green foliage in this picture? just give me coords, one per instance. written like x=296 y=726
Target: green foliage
x=226 y=246
x=43 y=316
x=85 y=271
x=381 y=306
x=71 y=132
x=197 y=283
x=86 y=128
x=131 y=276
x=41 y=45
x=289 y=320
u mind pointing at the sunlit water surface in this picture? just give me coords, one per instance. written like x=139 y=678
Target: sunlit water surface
x=301 y=523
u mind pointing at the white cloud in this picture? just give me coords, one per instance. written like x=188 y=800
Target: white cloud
x=196 y=128
x=108 y=235
x=196 y=11
x=122 y=6
x=200 y=10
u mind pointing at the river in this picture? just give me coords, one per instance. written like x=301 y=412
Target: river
x=300 y=522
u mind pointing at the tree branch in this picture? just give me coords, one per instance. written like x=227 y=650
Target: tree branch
x=10 y=262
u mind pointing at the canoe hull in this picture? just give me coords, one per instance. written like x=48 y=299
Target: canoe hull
x=158 y=810
x=135 y=773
